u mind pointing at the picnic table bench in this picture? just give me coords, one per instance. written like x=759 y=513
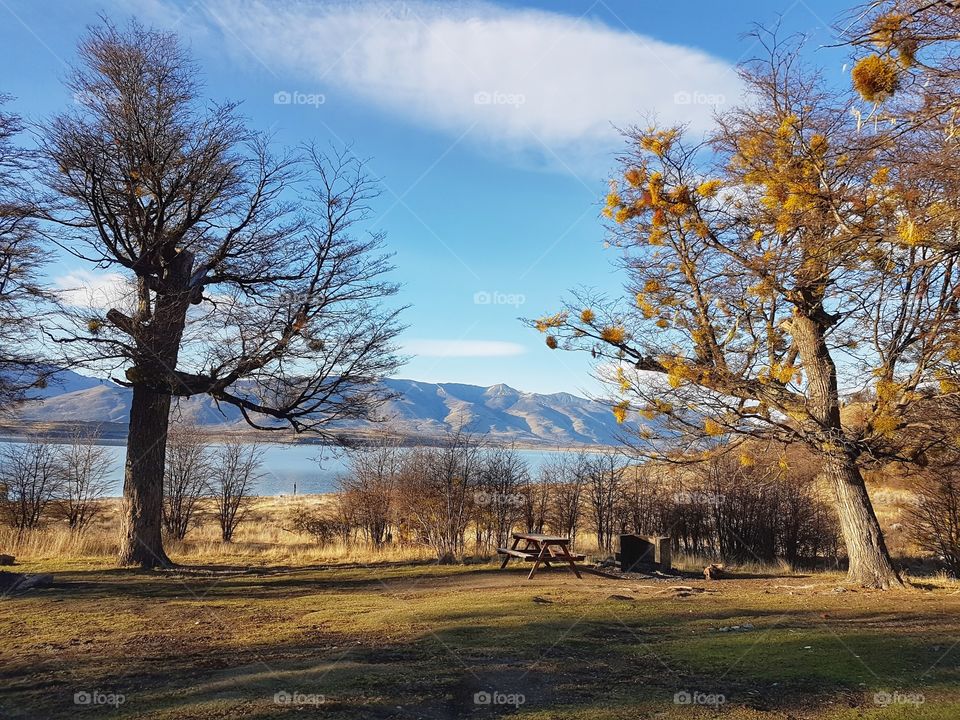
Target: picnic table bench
x=540 y=549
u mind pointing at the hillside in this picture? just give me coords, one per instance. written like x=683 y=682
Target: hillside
x=421 y=410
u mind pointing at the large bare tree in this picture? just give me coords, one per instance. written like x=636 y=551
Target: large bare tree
x=22 y=256
x=248 y=277
x=797 y=254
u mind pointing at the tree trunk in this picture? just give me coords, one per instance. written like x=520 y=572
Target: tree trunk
x=870 y=564
x=141 y=542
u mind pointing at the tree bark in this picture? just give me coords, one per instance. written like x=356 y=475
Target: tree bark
x=141 y=542
x=870 y=564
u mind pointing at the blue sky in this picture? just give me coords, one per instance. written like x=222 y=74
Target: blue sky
x=491 y=127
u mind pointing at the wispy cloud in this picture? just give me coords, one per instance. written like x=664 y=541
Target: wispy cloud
x=553 y=83
x=462 y=348
x=101 y=291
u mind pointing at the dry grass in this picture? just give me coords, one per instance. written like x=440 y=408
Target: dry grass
x=265 y=537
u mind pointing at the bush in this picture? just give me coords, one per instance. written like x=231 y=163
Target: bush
x=934 y=523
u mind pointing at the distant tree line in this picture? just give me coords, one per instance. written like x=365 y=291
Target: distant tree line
x=464 y=497
x=43 y=481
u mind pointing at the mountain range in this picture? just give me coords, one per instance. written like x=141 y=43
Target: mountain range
x=421 y=411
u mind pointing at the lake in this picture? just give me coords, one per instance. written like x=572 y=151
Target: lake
x=300 y=469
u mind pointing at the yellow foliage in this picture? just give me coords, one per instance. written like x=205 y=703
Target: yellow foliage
x=646 y=308
x=875 y=78
x=782 y=372
x=712 y=427
x=746 y=460
x=613 y=334
x=551 y=321
x=885 y=424
x=887 y=390
x=910 y=232
x=587 y=316
x=635 y=177
x=709 y=188
x=651 y=286
x=678 y=373
x=620 y=411
x=623 y=380
x=662 y=323
x=881 y=176
x=948 y=383
x=885 y=28
x=658 y=141
x=818 y=144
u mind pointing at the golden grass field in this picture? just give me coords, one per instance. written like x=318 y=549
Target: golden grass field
x=349 y=633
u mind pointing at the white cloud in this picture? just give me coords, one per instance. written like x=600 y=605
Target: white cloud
x=530 y=79
x=462 y=348
x=101 y=291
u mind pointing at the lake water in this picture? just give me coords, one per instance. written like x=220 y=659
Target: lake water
x=304 y=469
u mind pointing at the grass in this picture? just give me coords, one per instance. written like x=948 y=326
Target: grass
x=395 y=636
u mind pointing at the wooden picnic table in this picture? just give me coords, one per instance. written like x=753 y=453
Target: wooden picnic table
x=540 y=549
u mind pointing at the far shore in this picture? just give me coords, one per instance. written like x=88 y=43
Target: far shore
x=116 y=434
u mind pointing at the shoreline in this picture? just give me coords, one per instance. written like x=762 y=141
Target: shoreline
x=115 y=434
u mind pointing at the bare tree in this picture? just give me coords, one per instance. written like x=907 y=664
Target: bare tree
x=370 y=487
x=185 y=477
x=934 y=522
x=567 y=475
x=805 y=253
x=234 y=473
x=32 y=475
x=85 y=466
x=536 y=501
x=234 y=292
x=22 y=256
x=499 y=501
x=437 y=491
x=604 y=480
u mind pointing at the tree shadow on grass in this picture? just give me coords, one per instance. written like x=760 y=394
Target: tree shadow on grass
x=461 y=667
